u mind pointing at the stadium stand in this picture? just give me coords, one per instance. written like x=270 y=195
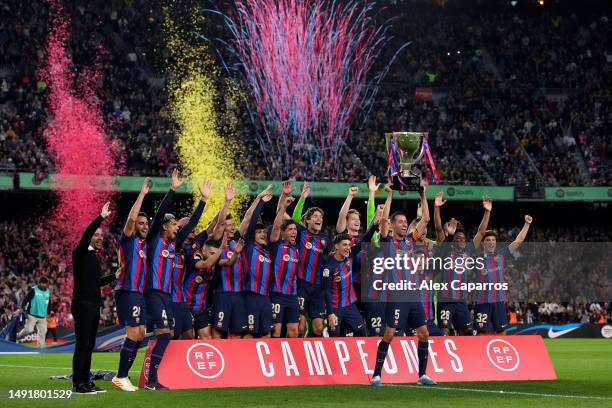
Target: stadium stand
x=510 y=62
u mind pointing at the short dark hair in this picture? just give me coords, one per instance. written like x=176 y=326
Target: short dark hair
x=216 y=243
x=260 y=225
x=397 y=214
x=490 y=233
x=44 y=280
x=341 y=237
x=228 y=217
x=287 y=223
x=311 y=211
x=143 y=214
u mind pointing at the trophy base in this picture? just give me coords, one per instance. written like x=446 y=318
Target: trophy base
x=408 y=182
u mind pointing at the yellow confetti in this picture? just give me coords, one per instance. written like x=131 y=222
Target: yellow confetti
x=205 y=150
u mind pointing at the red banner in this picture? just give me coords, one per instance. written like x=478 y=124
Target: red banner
x=423 y=94
x=347 y=360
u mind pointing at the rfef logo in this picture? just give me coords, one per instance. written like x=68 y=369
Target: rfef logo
x=503 y=355
x=205 y=361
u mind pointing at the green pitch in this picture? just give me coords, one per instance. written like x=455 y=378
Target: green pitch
x=584 y=369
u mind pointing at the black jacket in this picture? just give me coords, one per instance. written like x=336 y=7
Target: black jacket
x=87 y=270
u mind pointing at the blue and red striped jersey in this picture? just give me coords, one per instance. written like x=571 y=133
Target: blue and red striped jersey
x=336 y=280
x=355 y=256
x=197 y=285
x=369 y=292
x=312 y=247
x=180 y=272
x=161 y=252
x=258 y=268
x=493 y=272
x=231 y=278
x=393 y=247
x=285 y=261
x=132 y=264
x=425 y=249
x=161 y=257
x=454 y=271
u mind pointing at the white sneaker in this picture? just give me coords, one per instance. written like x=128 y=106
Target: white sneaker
x=425 y=380
x=376 y=381
x=124 y=384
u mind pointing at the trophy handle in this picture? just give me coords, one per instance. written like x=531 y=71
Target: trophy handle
x=422 y=149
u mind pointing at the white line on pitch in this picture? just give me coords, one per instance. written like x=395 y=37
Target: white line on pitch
x=529 y=394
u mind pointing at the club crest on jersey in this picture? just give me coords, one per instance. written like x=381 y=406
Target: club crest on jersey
x=198 y=279
x=496 y=258
x=326 y=273
x=141 y=254
x=337 y=278
x=261 y=258
x=286 y=258
x=165 y=253
x=308 y=245
x=229 y=254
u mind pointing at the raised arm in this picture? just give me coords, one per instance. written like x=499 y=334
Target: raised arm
x=421 y=227
x=341 y=223
x=164 y=206
x=521 y=235
x=247 y=226
x=211 y=260
x=278 y=220
x=371 y=207
x=219 y=227
x=299 y=207
x=384 y=222
x=129 y=227
x=286 y=190
x=181 y=236
x=250 y=232
x=487 y=204
x=91 y=229
x=439 y=202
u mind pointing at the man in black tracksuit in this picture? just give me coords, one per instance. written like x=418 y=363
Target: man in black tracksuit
x=86 y=301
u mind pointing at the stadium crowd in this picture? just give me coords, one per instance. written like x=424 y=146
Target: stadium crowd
x=516 y=96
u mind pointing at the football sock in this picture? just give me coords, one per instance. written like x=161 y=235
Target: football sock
x=381 y=354
x=423 y=351
x=126 y=357
x=156 y=355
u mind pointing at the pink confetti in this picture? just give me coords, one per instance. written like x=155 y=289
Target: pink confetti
x=75 y=137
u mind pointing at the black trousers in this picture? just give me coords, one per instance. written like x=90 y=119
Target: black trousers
x=86 y=317
x=53 y=334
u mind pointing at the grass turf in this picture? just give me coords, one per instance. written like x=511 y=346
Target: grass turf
x=583 y=366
